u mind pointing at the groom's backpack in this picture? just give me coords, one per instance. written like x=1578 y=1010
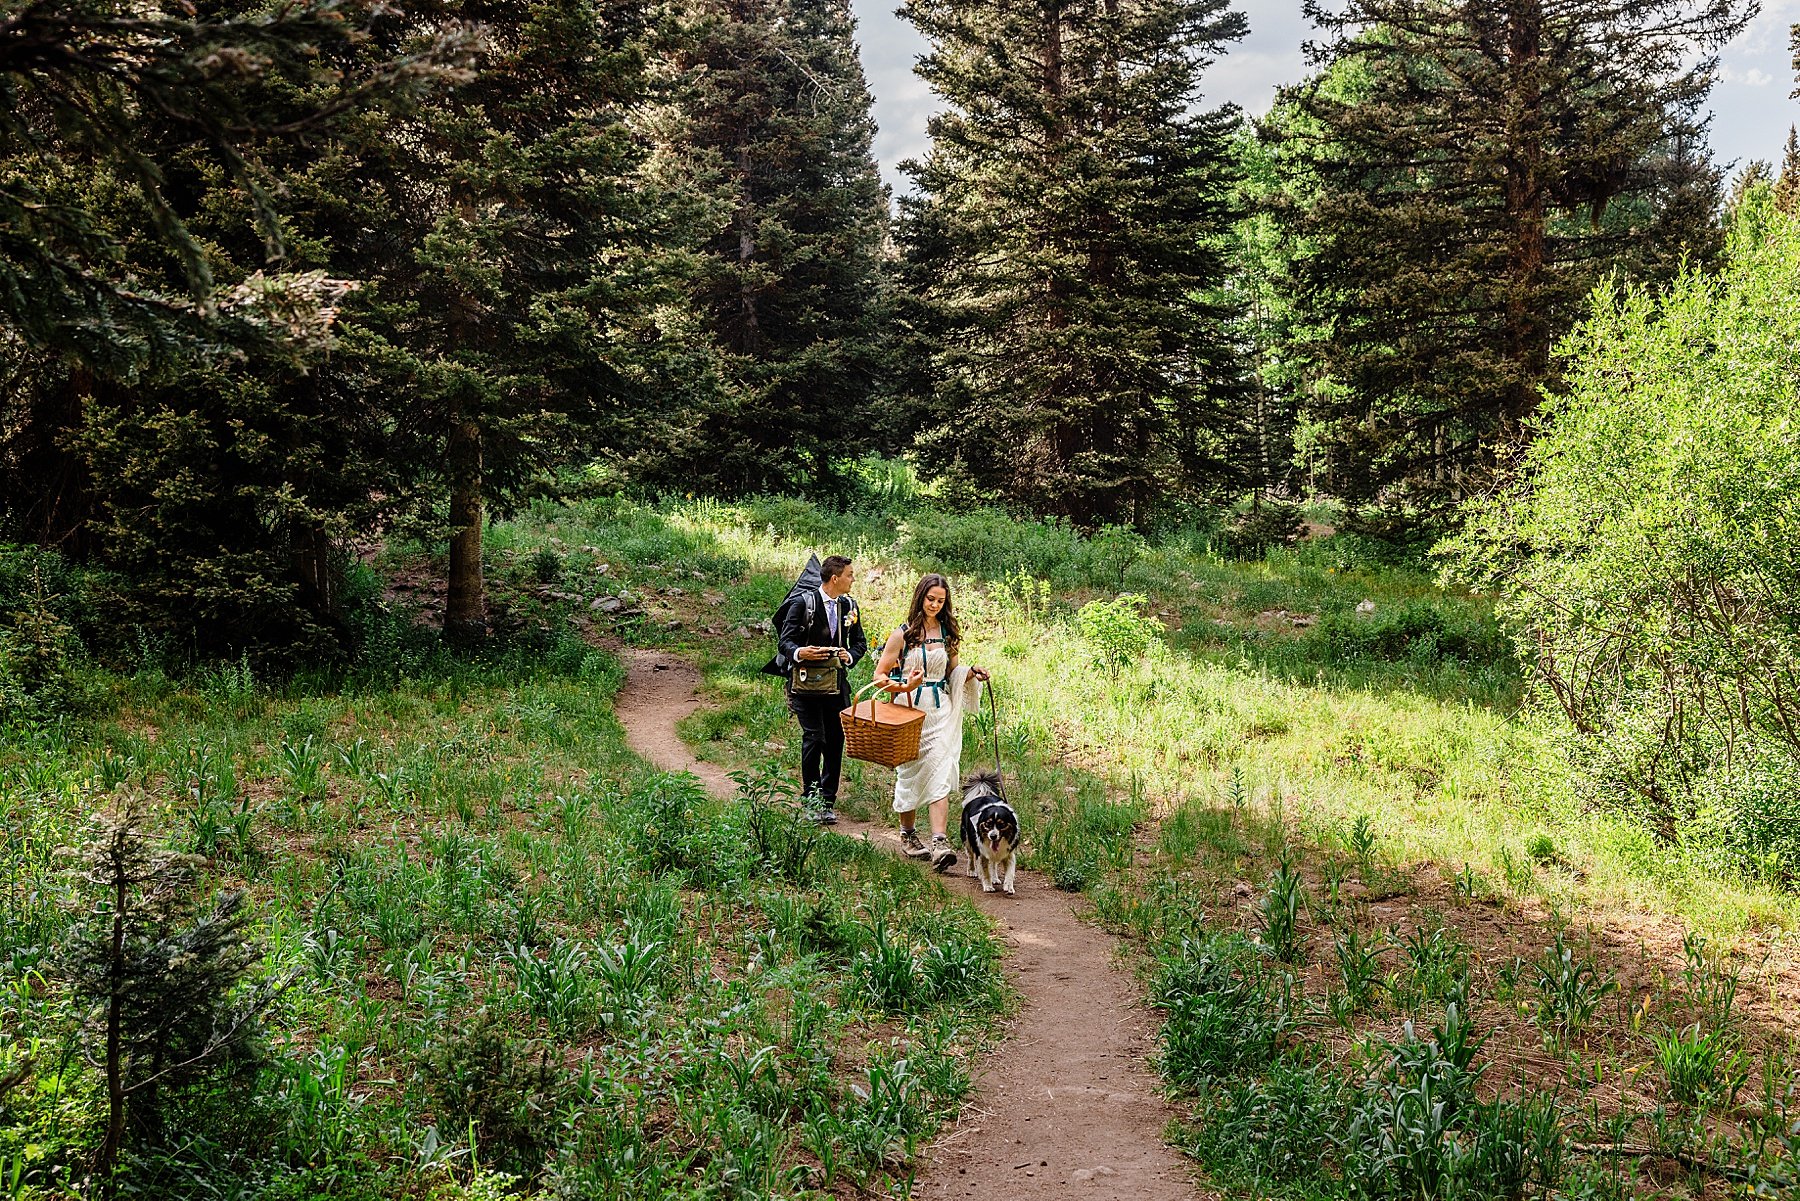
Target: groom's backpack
x=804 y=593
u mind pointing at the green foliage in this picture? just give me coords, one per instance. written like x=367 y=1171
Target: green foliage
x=163 y=968
x=1077 y=838
x=1064 y=257
x=776 y=128
x=502 y=1092
x=1118 y=631
x=1110 y=552
x=1646 y=553
x=1427 y=299
x=1281 y=910
x=991 y=542
x=1253 y=532
x=1571 y=989
x=1422 y=631
x=1702 y=1067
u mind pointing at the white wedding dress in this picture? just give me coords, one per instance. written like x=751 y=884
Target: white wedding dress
x=944 y=698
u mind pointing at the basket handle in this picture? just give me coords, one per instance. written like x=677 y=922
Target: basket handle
x=870 y=689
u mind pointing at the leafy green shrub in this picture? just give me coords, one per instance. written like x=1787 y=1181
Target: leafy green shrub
x=1423 y=631
x=993 y=543
x=1571 y=988
x=1119 y=631
x=1701 y=1066
x=1251 y=534
x=1109 y=553
x=886 y=975
x=1648 y=549
x=502 y=1091
x=1078 y=838
x=669 y=832
x=1282 y=906
x=956 y=966
x=1388 y=536
x=1221 y=1020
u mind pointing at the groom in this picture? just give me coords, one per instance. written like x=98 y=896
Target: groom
x=819 y=627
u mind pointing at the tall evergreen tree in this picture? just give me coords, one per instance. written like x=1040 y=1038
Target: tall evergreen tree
x=523 y=273
x=775 y=124
x=1787 y=184
x=162 y=316
x=1479 y=165
x=1067 y=241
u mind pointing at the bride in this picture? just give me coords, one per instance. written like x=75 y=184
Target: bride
x=921 y=669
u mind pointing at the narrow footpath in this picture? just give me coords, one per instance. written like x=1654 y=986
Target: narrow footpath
x=1065 y=1108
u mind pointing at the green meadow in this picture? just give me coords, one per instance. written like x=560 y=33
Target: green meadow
x=1391 y=952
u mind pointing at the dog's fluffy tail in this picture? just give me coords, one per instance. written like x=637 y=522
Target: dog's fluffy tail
x=985 y=776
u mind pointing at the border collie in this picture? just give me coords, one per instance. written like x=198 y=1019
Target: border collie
x=990 y=832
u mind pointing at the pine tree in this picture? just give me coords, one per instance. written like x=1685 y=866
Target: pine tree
x=96 y=98
x=524 y=276
x=1478 y=166
x=776 y=123
x=166 y=971
x=1787 y=184
x=166 y=314
x=1066 y=243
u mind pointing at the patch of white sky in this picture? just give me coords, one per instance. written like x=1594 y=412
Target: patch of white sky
x=1750 y=106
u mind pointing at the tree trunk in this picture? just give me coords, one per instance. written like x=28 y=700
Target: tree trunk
x=1527 y=333
x=310 y=558
x=465 y=605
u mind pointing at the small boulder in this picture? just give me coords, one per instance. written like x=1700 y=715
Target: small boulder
x=1364 y=608
x=607 y=604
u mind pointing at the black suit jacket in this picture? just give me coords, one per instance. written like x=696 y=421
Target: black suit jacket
x=797 y=632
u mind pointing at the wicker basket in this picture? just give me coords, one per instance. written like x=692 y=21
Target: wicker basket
x=881 y=731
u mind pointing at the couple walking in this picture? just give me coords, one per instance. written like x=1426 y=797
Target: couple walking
x=918 y=667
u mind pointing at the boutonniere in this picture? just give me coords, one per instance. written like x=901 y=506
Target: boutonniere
x=855 y=617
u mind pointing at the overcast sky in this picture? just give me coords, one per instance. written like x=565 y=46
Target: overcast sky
x=1750 y=105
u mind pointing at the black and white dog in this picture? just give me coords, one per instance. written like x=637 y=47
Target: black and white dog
x=990 y=832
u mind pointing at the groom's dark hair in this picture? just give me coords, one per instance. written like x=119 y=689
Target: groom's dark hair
x=832 y=567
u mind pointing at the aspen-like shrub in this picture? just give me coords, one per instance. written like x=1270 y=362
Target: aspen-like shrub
x=1648 y=551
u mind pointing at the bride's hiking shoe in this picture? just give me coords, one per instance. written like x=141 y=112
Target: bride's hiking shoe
x=942 y=857
x=910 y=844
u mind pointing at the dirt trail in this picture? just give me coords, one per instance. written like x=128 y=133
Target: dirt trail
x=1067 y=1108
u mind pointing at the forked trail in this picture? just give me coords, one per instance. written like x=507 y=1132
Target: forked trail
x=1066 y=1108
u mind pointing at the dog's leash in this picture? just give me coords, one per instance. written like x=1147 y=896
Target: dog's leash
x=994 y=721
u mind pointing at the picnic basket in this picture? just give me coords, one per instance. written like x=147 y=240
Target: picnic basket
x=881 y=731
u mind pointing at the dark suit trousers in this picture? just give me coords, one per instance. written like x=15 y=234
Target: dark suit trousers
x=821 y=741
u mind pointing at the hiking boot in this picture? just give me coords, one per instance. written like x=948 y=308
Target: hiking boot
x=943 y=858
x=911 y=846
x=826 y=814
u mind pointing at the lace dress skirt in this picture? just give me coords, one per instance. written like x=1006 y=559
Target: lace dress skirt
x=937 y=772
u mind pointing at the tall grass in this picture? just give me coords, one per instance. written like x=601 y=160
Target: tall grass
x=1401 y=713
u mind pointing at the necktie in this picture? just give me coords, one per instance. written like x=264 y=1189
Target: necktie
x=831 y=615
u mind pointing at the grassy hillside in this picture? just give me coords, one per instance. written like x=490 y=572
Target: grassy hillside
x=513 y=959
x=510 y=957
x=1302 y=788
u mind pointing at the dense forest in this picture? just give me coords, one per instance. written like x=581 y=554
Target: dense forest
x=361 y=359
x=273 y=281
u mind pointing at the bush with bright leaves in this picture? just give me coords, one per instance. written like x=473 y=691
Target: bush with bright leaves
x=1647 y=554
x=1119 y=631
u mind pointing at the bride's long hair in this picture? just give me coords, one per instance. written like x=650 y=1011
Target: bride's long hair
x=915 y=616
